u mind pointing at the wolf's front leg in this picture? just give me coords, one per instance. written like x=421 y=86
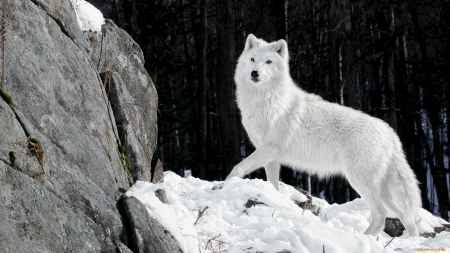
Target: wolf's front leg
x=262 y=156
x=273 y=173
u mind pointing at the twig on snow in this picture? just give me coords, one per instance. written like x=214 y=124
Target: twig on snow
x=200 y=214
x=389 y=242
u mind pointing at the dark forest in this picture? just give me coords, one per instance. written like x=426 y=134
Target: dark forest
x=389 y=59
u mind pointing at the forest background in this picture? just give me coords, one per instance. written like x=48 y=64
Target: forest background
x=389 y=59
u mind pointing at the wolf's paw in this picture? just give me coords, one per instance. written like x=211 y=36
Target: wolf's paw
x=218 y=187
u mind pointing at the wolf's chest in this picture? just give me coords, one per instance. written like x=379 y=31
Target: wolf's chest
x=263 y=115
x=255 y=129
x=255 y=124
x=259 y=124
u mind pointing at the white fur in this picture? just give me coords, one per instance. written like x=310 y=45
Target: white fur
x=291 y=127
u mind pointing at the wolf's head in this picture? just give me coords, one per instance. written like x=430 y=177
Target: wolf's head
x=262 y=62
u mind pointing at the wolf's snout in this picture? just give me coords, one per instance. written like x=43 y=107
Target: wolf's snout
x=255 y=74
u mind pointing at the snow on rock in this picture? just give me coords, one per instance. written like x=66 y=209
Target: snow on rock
x=274 y=224
x=89 y=17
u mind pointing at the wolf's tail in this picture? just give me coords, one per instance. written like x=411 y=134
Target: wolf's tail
x=401 y=192
x=406 y=187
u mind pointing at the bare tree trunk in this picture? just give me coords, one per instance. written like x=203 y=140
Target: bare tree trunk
x=351 y=51
x=187 y=55
x=228 y=125
x=189 y=83
x=202 y=88
x=176 y=140
x=391 y=74
x=280 y=18
x=333 y=25
x=417 y=162
x=391 y=85
x=259 y=19
x=437 y=167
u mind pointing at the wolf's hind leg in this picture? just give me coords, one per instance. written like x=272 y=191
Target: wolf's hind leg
x=273 y=173
x=409 y=222
x=378 y=214
x=370 y=194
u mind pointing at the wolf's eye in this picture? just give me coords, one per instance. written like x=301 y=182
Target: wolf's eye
x=269 y=62
x=252 y=59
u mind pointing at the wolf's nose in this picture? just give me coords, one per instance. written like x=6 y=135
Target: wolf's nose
x=255 y=74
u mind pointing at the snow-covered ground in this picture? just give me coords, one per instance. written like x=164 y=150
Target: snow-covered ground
x=278 y=225
x=89 y=17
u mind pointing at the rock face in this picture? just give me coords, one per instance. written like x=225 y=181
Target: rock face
x=147 y=235
x=131 y=93
x=71 y=143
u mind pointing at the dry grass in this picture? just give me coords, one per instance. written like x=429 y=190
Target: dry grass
x=101 y=51
x=209 y=242
x=213 y=244
x=34 y=148
x=107 y=82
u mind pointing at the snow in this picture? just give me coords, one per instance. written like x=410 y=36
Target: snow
x=277 y=225
x=89 y=18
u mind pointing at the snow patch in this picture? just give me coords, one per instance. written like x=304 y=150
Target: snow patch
x=89 y=18
x=274 y=224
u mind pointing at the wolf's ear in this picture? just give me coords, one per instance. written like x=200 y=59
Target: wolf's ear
x=281 y=48
x=252 y=42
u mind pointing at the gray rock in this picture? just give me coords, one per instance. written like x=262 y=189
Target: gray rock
x=307 y=205
x=34 y=219
x=13 y=148
x=393 y=227
x=161 y=195
x=253 y=202
x=133 y=96
x=147 y=235
x=444 y=227
x=63 y=14
x=218 y=186
x=157 y=171
x=122 y=248
x=61 y=168
x=428 y=235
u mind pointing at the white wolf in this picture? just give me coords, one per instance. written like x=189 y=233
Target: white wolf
x=291 y=127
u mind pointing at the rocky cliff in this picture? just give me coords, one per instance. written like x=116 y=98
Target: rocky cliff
x=77 y=128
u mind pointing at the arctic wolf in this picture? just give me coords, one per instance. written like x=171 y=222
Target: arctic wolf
x=291 y=127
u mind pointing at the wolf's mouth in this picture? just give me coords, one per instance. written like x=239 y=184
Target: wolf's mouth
x=254 y=79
